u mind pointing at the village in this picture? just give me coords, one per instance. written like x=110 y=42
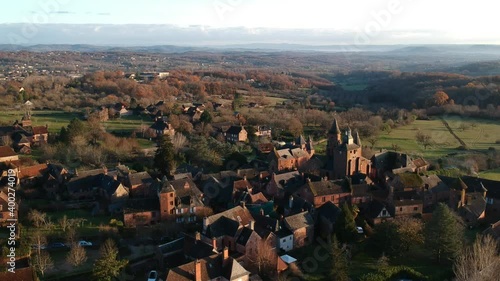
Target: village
x=250 y=220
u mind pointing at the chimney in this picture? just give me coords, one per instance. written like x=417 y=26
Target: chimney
x=205 y=224
x=308 y=179
x=225 y=256
x=245 y=177
x=197 y=236
x=261 y=211
x=242 y=203
x=214 y=244
x=197 y=270
x=251 y=225
x=462 y=197
x=290 y=202
x=105 y=170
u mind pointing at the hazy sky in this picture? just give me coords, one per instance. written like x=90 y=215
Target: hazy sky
x=407 y=21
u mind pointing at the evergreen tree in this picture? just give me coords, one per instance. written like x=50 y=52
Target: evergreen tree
x=444 y=234
x=346 y=226
x=206 y=117
x=108 y=266
x=76 y=127
x=340 y=269
x=164 y=159
x=63 y=135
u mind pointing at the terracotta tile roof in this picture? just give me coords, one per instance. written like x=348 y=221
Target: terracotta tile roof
x=22 y=274
x=242 y=185
x=212 y=268
x=324 y=187
x=238 y=214
x=6 y=151
x=39 y=130
x=32 y=171
x=299 y=221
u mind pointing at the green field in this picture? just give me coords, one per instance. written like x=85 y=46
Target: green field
x=57 y=119
x=491 y=174
x=478 y=138
x=404 y=138
x=479 y=134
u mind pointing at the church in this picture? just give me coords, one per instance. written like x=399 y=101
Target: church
x=344 y=154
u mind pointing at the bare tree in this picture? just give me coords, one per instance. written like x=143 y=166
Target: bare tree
x=64 y=223
x=77 y=255
x=37 y=218
x=42 y=262
x=479 y=262
x=179 y=141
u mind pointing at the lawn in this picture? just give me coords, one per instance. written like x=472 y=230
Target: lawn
x=54 y=119
x=57 y=119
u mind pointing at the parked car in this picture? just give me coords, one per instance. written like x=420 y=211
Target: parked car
x=57 y=245
x=360 y=230
x=153 y=275
x=84 y=243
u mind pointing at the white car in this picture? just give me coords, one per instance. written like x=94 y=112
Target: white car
x=153 y=275
x=83 y=243
x=360 y=230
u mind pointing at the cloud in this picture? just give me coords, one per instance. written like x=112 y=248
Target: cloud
x=103 y=14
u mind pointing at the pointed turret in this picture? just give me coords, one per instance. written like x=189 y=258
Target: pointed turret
x=309 y=146
x=300 y=141
x=348 y=136
x=357 y=139
x=335 y=128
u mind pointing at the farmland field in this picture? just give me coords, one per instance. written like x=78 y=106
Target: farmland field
x=479 y=135
x=404 y=138
x=57 y=119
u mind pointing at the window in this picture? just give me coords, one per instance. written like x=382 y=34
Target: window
x=323 y=199
x=171 y=195
x=415 y=208
x=171 y=203
x=284 y=240
x=400 y=209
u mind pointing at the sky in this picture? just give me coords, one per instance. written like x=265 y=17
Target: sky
x=292 y=21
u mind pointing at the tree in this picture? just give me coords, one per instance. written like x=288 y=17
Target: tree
x=37 y=218
x=444 y=234
x=76 y=127
x=386 y=239
x=206 y=117
x=164 y=159
x=423 y=139
x=339 y=270
x=346 y=226
x=440 y=98
x=77 y=255
x=179 y=141
x=410 y=231
x=479 y=262
x=295 y=127
x=108 y=266
x=42 y=262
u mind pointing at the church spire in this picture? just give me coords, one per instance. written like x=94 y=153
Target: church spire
x=357 y=139
x=335 y=127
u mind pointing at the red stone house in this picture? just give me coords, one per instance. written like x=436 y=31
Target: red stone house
x=407 y=203
x=319 y=192
x=138 y=212
x=7 y=155
x=5 y=213
x=236 y=134
x=302 y=227
x=140 y=185
x=181 y=200
x=216 y=267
